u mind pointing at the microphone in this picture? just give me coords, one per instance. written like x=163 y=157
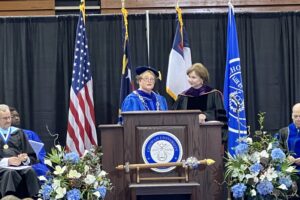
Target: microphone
x=233 y=97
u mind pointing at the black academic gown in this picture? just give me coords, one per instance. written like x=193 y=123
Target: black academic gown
x=209 y=101
x=22 y=183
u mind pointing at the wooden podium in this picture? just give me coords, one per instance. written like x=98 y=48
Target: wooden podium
x=123 y=143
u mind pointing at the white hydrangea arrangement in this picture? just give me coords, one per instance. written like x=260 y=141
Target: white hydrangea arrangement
x=74 y=177
x=260 y=169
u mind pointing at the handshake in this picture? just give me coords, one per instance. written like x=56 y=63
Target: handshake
x=17 y=160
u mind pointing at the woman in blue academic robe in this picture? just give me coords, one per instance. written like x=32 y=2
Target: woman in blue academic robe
x=144 y=98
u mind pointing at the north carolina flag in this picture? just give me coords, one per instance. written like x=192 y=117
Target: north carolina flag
x=233 y=87
x=179 y=61
x=127 y=84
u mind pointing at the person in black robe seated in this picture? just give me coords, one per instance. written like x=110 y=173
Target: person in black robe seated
x=40 y=168
x=202 y=97
x=16 y=156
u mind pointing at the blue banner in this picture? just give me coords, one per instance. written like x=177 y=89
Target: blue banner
x=233 y=87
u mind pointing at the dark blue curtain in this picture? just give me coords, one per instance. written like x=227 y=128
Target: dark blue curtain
x=36 y=61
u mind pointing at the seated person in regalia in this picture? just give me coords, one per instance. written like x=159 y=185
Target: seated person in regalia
x=17 y=177
x=40 y=168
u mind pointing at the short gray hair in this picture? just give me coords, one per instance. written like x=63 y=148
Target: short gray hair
x=10 y=197
x=4 y=107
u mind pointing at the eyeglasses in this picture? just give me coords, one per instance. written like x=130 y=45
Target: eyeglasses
x=296 y=116
x=6 y=118
x=151 y=80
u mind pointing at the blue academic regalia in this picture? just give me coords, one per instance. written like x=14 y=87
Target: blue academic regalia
x=290 y=141
x=139 y=100
x=40 y=168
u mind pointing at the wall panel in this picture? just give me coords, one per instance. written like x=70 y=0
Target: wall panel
x=24 y=7
x=138 y=6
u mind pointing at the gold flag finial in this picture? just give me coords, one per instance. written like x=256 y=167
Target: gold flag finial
x=82 y=9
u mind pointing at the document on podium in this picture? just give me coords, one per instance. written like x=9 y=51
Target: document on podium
x=36 y=146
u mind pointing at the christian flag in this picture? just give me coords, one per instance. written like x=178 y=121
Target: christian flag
x=127 y=84
x=179 y=60
x=233 y=87
x=81 y=133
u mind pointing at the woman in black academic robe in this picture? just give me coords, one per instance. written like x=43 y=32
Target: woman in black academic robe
x=200 y=96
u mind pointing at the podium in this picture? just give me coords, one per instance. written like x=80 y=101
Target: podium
x=123 y=143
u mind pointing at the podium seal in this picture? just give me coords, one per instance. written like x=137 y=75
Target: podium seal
x=162 y=147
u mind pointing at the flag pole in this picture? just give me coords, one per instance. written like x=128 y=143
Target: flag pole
x=125 y=15
x=148 y=35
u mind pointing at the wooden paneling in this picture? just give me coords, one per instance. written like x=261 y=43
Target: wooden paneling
x=23 y=7
x=47 y=7
x=138 y=6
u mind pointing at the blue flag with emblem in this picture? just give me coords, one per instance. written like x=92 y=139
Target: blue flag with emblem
x=233 y=87
x=127 y=84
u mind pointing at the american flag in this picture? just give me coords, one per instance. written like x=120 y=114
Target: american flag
x=81 y=133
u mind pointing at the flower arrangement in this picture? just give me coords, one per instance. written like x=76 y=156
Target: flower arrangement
x=260 y=169
x=74 y=177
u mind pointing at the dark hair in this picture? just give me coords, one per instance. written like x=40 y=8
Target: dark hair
x=11 y=109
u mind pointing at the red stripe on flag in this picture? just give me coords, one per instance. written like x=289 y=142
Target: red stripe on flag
x=81 y=126
x=72 y=133
x=92 y=115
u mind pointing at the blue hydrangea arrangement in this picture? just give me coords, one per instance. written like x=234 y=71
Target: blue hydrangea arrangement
x=260 y=169
x=74 y=177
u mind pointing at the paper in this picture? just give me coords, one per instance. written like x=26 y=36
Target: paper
x=17 y=167
x=36 y=146
x=212 y=122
